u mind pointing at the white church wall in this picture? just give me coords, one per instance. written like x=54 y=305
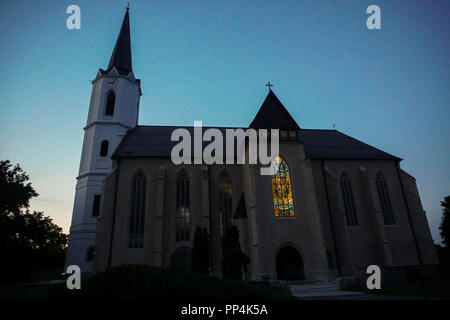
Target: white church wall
x=93 y=166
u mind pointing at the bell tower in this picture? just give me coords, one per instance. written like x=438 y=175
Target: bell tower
x=113 y=110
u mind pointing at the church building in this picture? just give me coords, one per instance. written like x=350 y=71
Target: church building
x=335 y=205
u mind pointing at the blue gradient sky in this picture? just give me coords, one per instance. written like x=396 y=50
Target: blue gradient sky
x=209 y=60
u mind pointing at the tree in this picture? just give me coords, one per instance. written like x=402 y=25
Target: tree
x=200 y=251
x=233 y=260
x=15 y=190
x=27 y=240
x=445 y=222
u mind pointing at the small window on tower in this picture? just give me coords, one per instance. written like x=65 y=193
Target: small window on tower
x=110 y=101
x=96 y=206
x=104 y=148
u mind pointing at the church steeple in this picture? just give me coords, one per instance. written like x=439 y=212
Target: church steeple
x=121 y=56
x=113 y=110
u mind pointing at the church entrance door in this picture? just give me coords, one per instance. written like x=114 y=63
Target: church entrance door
x=289 y=264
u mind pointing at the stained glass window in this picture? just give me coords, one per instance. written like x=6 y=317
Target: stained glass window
x=283 y=203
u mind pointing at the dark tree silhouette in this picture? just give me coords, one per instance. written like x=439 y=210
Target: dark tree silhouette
x=234 y=261
x=15 y=190
x=445 y=222
x=200 y=251
x=27 y=240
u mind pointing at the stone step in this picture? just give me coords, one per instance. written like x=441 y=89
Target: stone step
x=302 y=282
x=314 y=287
x=325 y=294
x=317 y=289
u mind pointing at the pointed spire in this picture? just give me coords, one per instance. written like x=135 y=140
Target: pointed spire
x=121 y=56
x=241 y=209
x=273 y=115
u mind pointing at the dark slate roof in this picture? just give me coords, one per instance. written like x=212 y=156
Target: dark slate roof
x=332 y=144
x=273 y=115
x=121 y=56
x=154 y=142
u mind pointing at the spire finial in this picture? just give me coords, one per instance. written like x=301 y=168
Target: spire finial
x=128 y=6
x=268 y=84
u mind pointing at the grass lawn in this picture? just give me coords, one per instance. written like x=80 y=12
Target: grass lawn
x=146 y=282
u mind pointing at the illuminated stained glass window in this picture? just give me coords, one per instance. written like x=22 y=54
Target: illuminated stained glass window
x=283 y=203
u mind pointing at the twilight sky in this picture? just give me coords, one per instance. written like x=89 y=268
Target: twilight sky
x=209 y=61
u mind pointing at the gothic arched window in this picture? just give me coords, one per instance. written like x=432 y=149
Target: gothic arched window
x=110 y=102
x=347 y=198
x=385 y=201
x=183 y=203
x=225 y=201
x=283 y=203
x=104 y=148
x=137 y=211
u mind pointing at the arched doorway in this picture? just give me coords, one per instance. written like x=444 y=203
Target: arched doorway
x=289 y=264
x=182 y=258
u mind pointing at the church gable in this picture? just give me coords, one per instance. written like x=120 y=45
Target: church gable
x=273 y=115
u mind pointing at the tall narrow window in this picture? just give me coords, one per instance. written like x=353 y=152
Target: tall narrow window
x=347 y=198
x=90 y=253
x=96 y=205
x=283 y=203
x=110 y=102
x=104 y=148
x=225 y=201
x=137 y=214
x=385 y=201
x=183 y=214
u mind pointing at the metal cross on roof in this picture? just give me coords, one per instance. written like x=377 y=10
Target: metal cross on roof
x=268 y=84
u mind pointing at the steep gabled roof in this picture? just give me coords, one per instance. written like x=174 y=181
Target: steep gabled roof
x=241 y=209
x=273 y=115
x=121 y=56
